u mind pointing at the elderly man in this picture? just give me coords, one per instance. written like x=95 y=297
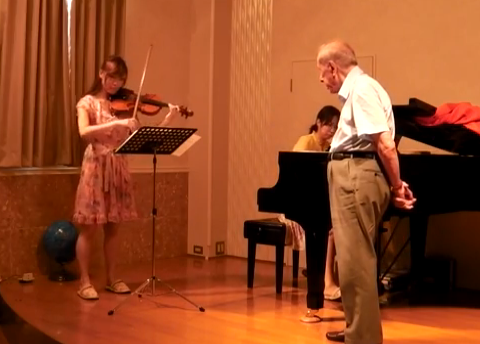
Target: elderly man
x=362 y=149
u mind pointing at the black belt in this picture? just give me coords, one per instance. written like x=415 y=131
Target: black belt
x=351 y=155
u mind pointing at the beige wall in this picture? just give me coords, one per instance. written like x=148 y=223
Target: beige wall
x=209 y=89
x=166 y=25
x=220 y=124
x=190 y=66
x=424 y=49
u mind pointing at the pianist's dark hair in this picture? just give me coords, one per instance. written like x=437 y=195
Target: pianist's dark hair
x=325 y=116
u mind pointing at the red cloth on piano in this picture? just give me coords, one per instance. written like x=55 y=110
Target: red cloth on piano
x=465 y=114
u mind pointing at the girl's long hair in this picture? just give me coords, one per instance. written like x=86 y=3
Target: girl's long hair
x=115 y=66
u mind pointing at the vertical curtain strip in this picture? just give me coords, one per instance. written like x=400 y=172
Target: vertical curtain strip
x=39 y=85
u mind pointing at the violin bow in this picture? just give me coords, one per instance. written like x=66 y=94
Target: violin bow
x=141 y=82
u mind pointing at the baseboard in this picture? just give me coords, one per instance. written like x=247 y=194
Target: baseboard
x=164 y=169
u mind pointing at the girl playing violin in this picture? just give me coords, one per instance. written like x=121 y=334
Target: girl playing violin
x=105 y=195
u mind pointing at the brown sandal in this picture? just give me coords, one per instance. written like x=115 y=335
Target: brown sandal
x=88 y=292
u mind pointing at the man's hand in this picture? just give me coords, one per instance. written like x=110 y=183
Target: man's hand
x=403 y=197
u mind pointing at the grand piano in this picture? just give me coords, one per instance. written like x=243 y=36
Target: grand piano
x=442 y=183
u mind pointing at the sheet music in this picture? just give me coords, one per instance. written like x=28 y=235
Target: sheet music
x=186 y=145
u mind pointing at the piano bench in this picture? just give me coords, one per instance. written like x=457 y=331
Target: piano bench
x=270 y=232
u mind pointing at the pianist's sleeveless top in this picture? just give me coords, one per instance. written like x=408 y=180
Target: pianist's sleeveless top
x=311 y=142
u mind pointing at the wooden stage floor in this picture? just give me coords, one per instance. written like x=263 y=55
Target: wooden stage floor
x=233 y=314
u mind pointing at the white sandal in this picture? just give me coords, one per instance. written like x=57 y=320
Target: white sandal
x=118 y=287
x=88 y=292
x=336 y=296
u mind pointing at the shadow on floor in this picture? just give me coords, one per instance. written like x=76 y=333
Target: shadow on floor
x=13 y=330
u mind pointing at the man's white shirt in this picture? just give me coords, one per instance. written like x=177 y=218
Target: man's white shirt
x=366 y=110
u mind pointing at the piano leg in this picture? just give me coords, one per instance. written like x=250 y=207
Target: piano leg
x=279 y=259
x=252 y=250
x=316 y=251
x=296 y=260
x=418 y=240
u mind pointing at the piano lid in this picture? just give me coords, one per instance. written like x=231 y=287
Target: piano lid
x=410 y=146
x=453 y=138
x=415 y=108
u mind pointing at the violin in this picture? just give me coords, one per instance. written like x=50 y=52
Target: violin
x=127 y=103
x=123 y=103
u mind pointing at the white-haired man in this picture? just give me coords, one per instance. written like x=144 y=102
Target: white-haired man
x=362 y=149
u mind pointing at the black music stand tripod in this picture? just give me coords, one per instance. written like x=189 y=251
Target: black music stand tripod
x=153 y=141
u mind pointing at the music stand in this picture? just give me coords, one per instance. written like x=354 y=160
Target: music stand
x=152 y=141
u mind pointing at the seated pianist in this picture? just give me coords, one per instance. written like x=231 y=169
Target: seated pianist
x=318 y=139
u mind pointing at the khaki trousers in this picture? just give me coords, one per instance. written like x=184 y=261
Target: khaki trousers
x=359 y=197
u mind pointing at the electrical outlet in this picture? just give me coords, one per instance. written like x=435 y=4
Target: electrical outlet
x=220 y=248
x=197 y=249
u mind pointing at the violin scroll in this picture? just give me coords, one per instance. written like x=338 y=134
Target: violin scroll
x=185 y=111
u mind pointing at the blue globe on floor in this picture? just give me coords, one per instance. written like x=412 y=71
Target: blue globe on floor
x=59 y=241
